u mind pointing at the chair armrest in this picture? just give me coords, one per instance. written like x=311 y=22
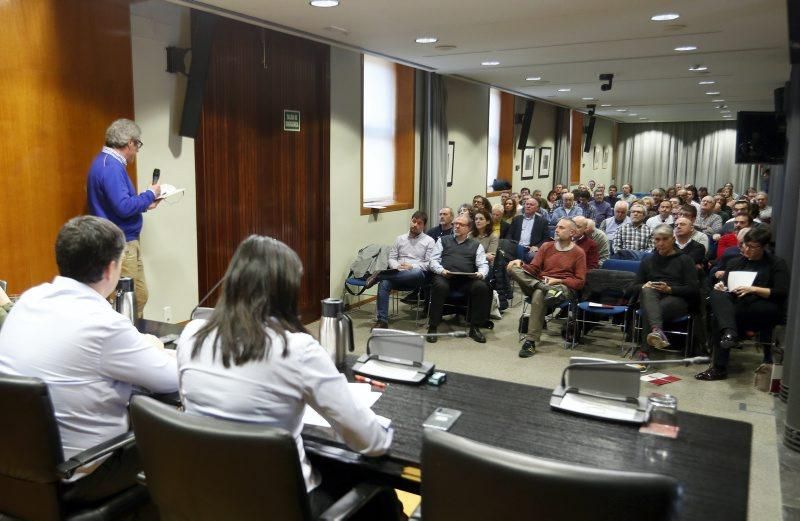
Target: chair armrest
x=66 y=469
x=356 y=499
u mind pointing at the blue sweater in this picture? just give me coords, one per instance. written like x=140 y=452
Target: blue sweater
x=111 y=194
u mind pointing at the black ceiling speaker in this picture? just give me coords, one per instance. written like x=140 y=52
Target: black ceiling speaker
x=527 y=120
x=202 y=38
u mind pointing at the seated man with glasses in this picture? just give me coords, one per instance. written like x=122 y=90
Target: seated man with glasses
x=759 y=305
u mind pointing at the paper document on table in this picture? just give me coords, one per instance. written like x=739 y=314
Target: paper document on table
x=378 y=369
x=362 y=394
x=737 y=279
x=609 y=409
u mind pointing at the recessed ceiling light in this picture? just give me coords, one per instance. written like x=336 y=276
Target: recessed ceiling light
x=324 y=3
x=724 y=111
x=533 y=78
x=564 y=90
x=427 y=39
x=633 y=114
x=712 y=92
x=490 y=63
x=665 y=17
x=698 y=68
x=727 y=116
x=685 y=48
x=622 y=110
x=706 y=82
x=717 y=100
x=643 y=119
x=587 y=99
x=606 y=105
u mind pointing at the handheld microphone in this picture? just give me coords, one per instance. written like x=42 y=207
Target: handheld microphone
x=156 y=176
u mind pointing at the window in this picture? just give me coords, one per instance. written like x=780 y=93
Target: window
x=499 y=156
x=387 y=167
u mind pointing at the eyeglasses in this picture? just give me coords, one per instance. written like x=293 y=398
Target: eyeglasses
x=138 y=144
x=752 y=246
x=460 y=224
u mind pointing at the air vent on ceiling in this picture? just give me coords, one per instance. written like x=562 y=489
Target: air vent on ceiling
x=445 y=47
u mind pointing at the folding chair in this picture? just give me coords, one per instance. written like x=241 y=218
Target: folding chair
x=670 y=329
x=602 y=297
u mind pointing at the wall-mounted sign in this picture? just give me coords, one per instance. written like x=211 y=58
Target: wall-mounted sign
x=291 y=120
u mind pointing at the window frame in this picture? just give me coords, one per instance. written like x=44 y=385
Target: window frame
x=505 y=152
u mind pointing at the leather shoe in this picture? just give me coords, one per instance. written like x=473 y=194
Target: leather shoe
x=410 y=298
x=528 y=349
x=432 y=339
x=380 y=324
x=476 y=335
x=711 y=374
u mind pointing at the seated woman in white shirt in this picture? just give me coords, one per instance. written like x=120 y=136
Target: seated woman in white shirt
x=253 y=361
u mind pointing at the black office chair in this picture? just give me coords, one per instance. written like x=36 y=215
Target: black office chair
x=32 y=463
x=203 y=468
x=465 y=480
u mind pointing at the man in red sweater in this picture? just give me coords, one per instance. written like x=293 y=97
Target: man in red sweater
x=558 y=270
x=586 y=243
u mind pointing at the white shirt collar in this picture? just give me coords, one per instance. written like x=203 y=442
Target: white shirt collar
x=116 y=155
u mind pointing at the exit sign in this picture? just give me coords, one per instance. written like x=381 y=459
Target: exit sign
x=291 y=120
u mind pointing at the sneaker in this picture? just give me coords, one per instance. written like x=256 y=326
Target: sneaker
x=528 y=349
x=380 y=324
x=432 y=339
x=642 y=358
x=658 y=339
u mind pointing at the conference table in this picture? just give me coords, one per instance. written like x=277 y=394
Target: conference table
x=710 y=458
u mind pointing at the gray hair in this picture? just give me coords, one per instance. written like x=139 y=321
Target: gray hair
x=121 y=132
x=621 y=204
x=663 y=230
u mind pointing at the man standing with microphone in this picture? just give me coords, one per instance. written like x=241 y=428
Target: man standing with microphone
x=111 y=194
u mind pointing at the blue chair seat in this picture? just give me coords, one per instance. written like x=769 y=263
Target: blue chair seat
x=684 y=318
x=614 y=310
x=352 y=281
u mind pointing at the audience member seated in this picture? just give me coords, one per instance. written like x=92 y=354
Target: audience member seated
x=528 y=231
x=602 y=188
x=509 y=210
x=5 y=306
x=667 y=286
x=690 y=212
x=567 y=210
x=743 y=308
x=464 y=209
x=445 y=226
x=611 y=198
x=552 y=197
x=740 y=207
x=543 y=206
x=658 y=196
x=600 y=207
x=633 y=239
x=611 y=225
x=627 y=194
x=583 y=239
x=601 y=240
x=721 y=207
x=650 y=210
x=707 y=221
x=253 y=361
x=557 y=271
x=460 y=254
x=499 y=226
x=410 y=255
x=505 y=195
x=729 y=240
x=66 y=333
x=664 y=215
x=764 y=211
x=685 y=243
x=584 y=199
x=482 y=232
x=480 y=202
x=718 y=269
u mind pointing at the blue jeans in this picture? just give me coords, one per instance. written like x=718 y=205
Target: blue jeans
x=524 y=253
x=402 y=280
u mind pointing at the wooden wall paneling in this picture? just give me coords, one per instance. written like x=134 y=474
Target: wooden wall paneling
x=253 y=177
x=575 y=147
x=405 y=156
x=506 y=145
x=66 y=74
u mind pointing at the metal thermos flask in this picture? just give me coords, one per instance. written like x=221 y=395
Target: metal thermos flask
x=125 y=298
x=335 y=330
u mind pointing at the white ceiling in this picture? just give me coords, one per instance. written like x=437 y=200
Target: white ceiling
x=569 y=43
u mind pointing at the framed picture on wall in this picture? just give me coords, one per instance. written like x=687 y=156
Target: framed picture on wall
x=528 y=162
x=598 y=152
x=451 y=158
x=545 y=161
x=606 y=157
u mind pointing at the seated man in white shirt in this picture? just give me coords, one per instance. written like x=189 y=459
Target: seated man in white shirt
x=67 y=334
x=612 y=224
x=664 y=215
x=410 y=255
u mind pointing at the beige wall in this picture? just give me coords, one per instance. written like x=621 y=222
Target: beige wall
x=349 y=229
x=603 y=138
x=169 y=236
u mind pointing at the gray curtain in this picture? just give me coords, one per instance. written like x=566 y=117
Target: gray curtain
x=701 y=153
x=561 y=165
x=433 y=179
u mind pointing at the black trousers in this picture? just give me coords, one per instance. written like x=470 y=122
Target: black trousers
x=114 y=475
x=740 y=314
x=480 y=298
x=658 y=308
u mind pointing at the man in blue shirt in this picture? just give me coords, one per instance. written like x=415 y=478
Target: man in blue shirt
x=568 y=210
x=111 y=195
x=602 y=210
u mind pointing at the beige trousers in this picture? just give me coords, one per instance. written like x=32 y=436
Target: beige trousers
x=529 y=285
x=132 y=267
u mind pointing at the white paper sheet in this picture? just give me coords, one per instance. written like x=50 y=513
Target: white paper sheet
x=380 y=369
x=737 y=279
x=599 y=407
x=362 y=394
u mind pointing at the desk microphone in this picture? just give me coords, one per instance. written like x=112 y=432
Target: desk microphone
x=605 y=363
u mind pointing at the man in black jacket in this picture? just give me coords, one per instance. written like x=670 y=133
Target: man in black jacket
x=528 y=231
